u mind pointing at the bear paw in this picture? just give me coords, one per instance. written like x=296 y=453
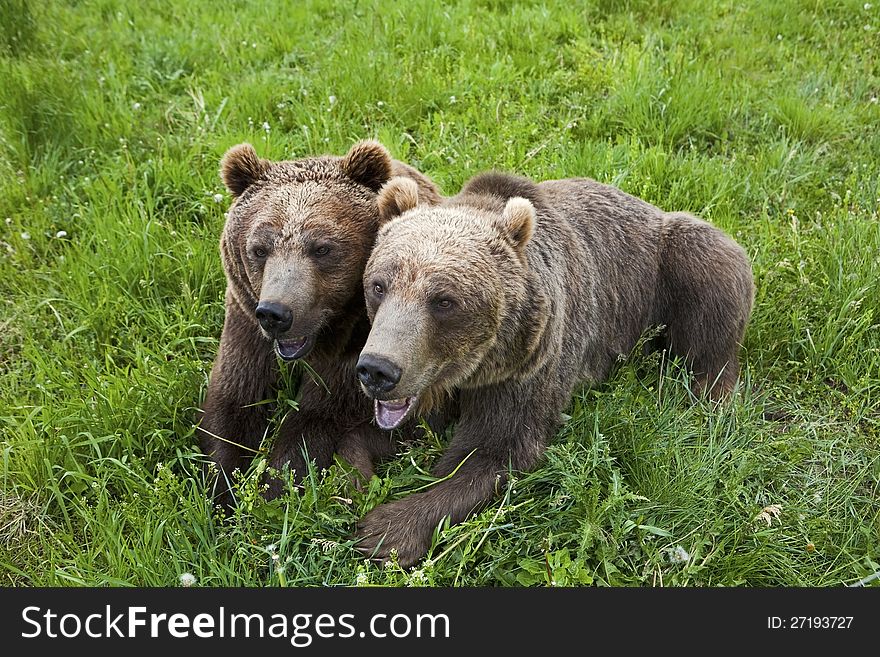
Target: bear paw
x=393 y=527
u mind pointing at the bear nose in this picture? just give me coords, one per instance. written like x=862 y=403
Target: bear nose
x=378 y=374
x=275 y=318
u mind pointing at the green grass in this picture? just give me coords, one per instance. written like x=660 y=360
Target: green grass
x=761 y=117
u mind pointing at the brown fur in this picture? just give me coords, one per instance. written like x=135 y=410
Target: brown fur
x=551 y=283
x=283 y=214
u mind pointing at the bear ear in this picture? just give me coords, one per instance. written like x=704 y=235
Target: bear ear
x=241 y=167
x=396 y=197
x=367 y=163
x=518 y=221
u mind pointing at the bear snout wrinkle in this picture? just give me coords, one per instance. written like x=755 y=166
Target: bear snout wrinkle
x=275 y=318
x=379 y=375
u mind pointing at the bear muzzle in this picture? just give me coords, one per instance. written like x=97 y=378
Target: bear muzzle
x=276 y=319
x=378 y=374
x=379 y=377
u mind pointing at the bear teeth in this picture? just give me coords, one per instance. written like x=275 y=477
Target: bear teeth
x=390 y=414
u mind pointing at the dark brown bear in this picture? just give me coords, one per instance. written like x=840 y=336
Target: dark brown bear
x=294 y=247
x=509 y=295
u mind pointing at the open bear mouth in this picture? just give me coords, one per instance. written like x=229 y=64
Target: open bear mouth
x=293 y=348
x=390 y=413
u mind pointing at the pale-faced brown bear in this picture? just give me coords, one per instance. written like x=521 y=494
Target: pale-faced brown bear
x=294 y=246
x=509 y=295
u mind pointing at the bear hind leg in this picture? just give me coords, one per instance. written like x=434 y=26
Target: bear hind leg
x=705 y=301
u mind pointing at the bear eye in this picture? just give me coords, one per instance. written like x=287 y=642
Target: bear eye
x=260 y=252
x=378 y=289
x=444 y=304
x=322 y=250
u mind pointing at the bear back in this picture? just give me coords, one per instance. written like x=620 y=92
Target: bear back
x=499 y=187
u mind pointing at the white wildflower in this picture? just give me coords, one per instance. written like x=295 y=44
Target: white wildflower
x=332 y=100
x=679 y=555
x=187 y=579
x=416 y=578
x=61 y=234
x=135 y=106
x=218 y=197
x=25 y=235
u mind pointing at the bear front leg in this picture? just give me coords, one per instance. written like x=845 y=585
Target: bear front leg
x=364 y=446
x=501 y=427
x=233 y=422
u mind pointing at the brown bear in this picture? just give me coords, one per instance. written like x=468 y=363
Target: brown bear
x=294 y=246
x=510 y=294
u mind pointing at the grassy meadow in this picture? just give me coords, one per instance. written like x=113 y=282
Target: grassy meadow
x=761 y=117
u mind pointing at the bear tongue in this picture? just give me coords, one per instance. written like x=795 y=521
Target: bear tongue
x=289 y=348
x=389 y=414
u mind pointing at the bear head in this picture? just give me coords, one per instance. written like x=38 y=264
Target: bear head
x=441 y=286
x=297 y=237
